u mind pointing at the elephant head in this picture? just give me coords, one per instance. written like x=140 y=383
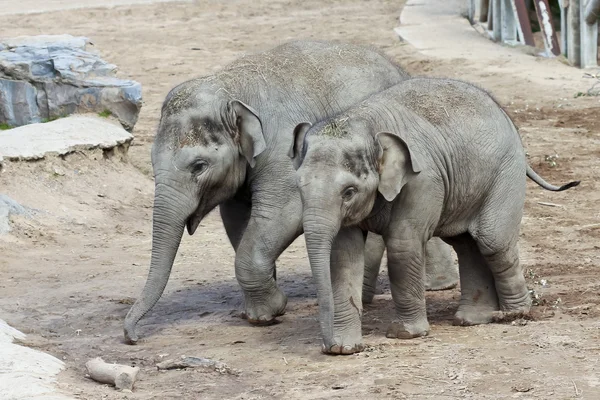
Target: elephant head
x=204 y=145
x=341 y=167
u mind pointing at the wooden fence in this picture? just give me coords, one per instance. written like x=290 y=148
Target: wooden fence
x=508 y=21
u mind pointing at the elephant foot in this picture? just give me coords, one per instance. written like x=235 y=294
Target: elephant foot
x=342 y=349
x=473 y=316
x=403 y=330
x=264 y=312
x=521 y=311
x=441 y=282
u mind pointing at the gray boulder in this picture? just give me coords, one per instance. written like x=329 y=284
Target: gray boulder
x=51 y=76
x=9 y=207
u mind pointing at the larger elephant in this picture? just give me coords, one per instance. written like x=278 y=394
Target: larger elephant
x=425 y=158
x=222 y=141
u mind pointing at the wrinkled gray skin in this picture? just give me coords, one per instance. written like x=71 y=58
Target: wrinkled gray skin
x=441 y=272
x=222 y=141
x=428 y=157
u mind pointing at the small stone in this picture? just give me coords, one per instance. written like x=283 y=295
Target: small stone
x=522 y=388
x=58 y=171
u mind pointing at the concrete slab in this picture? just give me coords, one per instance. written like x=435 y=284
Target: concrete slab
x=26 y=374
x=439 y=29
x=63 y=136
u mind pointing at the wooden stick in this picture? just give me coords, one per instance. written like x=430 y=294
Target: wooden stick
x=543 y=203
x=121 y=376
x=589 y=34
x=490 y=18
x=497 y=18
x=509 y=22
x=574 y=33
x=564 y=5
x=483 y=10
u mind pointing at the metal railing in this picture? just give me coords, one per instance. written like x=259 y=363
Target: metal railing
x=508 y=21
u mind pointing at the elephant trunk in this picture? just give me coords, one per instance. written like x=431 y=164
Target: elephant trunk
x=320 y=230
x=168 y=222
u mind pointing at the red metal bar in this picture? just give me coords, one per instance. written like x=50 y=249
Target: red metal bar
x=542 y=9
x=523 y=17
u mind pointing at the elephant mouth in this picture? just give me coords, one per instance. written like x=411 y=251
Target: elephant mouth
x=192 y=223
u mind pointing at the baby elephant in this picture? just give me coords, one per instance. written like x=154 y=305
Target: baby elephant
x=425 y=158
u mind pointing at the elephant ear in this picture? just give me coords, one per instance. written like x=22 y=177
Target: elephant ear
x=251 y=138
x=295 y=152
x=397 y=165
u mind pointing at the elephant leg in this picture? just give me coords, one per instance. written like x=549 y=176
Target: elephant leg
x=478 y=299
x=235 y=215
x=441 y=272
x=510 y=282
x=263 y=241
x=347 y=270
x=374 y=249
x=406 y=268
x=496 y=234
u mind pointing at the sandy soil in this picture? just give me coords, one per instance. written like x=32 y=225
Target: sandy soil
x=69 y=274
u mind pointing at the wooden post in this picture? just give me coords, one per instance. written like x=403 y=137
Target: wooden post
x=472 y=11
x=525 y=33
x=564 y=49
x=509 y=23
x=589 y=34
x=544 y=15
x=592 y=12
x=497 y=16
x=483 y=10
x=574 y=33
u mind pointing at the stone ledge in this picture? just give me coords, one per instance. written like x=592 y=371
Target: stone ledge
x=60 y=137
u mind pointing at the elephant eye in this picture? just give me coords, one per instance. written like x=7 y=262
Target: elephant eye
x=198 y=167
x=349 y=192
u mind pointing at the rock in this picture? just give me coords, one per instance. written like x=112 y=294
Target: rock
x=26 y=373
x=63 y=136
x=4 y=220
x=51 y=76
x=18 y=103
x=9 y=207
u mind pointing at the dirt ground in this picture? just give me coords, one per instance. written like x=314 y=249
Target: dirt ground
x=69 y=274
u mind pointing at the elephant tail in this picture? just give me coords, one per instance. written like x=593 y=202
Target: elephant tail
x=531 y=174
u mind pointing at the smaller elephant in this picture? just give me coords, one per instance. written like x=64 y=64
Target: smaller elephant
x=425 y=158
x=441 y=272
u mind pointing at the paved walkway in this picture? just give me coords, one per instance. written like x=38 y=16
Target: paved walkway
x=37 y=6
x=437 y=29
